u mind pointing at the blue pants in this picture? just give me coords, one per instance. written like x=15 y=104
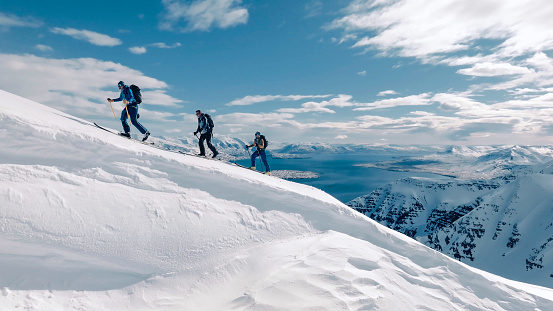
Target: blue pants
x=133 y=112
x=263 y=158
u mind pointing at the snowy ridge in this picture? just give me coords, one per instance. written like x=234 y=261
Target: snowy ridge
x=92 y=221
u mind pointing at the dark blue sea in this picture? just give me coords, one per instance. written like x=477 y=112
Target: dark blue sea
x=339 y=175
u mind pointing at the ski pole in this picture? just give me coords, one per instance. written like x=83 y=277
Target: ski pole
x=129 y=117
x=109 y=101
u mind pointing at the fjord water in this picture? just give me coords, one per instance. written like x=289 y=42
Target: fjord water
x=340 y=175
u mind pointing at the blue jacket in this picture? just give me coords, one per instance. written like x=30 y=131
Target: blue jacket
x=126 y=93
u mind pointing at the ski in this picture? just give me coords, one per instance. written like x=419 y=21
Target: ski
x=119 y=134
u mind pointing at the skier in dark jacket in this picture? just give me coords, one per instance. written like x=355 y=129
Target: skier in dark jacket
x=131 y=111
x=260 y=143
x=206 y=132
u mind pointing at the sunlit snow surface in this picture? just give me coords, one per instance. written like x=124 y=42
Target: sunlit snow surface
x=92 y=221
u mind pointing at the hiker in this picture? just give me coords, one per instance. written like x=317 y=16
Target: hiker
x=130 y=110
x=205 y=128
x=261 y=144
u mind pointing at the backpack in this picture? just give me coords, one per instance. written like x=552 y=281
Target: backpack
x=265 y=142
x=209 y=121
x=136 y=93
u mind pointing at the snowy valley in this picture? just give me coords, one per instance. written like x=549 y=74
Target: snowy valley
x=495 y=215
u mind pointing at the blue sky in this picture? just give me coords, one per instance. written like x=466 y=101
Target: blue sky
x=340 y=71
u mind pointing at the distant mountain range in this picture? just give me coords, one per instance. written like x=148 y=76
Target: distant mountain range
x=235 y=147
x=502 y=224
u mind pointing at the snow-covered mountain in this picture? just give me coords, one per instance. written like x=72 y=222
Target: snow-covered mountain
x=503 y=225
x=473 y=162
x=92 y=221
x=308 y=148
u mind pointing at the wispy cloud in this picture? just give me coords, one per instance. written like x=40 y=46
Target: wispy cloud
x=250 y=100
x=203 y=15
x=493 y=38
x=341 y=101
x=313 y=8
x=43 y=48
x=386 y=93
x=87 y=35
x=493 y=70
x=413 y=100
x=138 y=50
x=162 y=45
x=9 y=20
x=451 y=26
x=159 y=45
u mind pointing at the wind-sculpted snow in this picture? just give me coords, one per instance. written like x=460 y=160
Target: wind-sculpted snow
x=92 y=221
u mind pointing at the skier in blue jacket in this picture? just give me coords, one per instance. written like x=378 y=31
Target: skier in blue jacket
x=132 y=107
x=260 y=143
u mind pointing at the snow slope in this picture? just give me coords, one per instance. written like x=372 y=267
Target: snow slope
x=92 y=221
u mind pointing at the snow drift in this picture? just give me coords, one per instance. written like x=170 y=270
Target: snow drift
x=92 y=221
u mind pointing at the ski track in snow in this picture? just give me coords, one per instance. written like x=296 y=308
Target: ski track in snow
x=91 y=221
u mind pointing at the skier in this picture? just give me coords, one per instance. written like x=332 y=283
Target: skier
x=205 y=128
x=260 y=143
x=131 y=110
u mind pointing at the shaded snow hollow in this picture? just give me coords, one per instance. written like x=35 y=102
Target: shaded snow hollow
x=92 y=221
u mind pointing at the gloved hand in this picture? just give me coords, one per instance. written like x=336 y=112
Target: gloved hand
x=110 y=100
x=196 y=132
x=247 y=147
x=125 y=101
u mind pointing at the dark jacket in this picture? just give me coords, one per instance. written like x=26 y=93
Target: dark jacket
x=203 y=126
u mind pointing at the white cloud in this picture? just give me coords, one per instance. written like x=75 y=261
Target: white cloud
x=493 y=69
x=362 y=73
x=43 y=48
x=165 y=46
x=138 y=50
x=493 y=38
x=10 y=20
x=413 y=100
x=250 y=100
x=449 y=26
x=87 y=35
x=340 y=101
x=203 y=15
x=79 y=86
x=160 y=45
x=386 y=93
x=341 y=137
x=252 y=121
x=313 y=8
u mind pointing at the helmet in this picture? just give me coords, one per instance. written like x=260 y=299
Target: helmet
x=257 y=133
x=121 y=83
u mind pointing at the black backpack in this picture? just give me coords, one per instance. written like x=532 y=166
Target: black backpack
x=209 y=121
x=265 y=142
x=136 y=93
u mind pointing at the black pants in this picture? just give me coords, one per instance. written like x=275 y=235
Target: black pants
x=207 y=138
